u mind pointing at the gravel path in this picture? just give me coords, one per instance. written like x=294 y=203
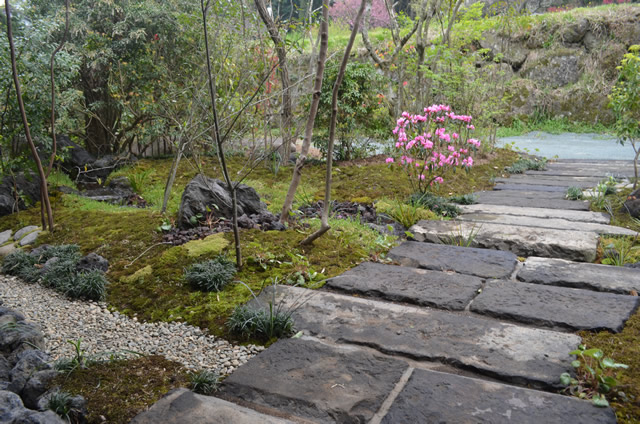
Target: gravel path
x=103 y=332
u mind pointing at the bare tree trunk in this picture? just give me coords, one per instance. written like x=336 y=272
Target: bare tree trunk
x=23 y=114
x=172 y=175
x=308 y=134
x=324 y=220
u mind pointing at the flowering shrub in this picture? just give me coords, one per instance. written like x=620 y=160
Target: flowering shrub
x=344 y=11
x=428 y=145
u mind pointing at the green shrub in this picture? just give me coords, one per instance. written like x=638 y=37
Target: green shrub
x=205 y=382
x=260 y=324
x=60 y=274
x=64 y=251
x=574 y=193
x=437 y=204
x=60 y=403
x=20 y=264
x=464 y=199
x=212 y=275
x=91 y=285
x=527 y=164
x=403 y=213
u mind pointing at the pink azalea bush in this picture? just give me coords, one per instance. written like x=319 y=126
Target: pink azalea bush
x=344 y=12
x=430 y=144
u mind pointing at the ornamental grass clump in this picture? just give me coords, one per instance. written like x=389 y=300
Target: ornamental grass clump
x=212 y=275
x=204 y=382
x=21 y=265
x=429 y=145
x=261 y=324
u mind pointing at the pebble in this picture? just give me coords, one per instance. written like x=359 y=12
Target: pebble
x=104 y=333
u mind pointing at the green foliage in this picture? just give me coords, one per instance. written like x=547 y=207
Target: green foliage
x=619 y=251
x=464 y=199
x=204 y=382
x=406 y=214
x=437 y=204
x=463 y=239
x=212 y=275
x=90 y=285
x=527 y=164
x=78 y=361
x=595 y=375
x=261 y=324
x=574 y=193
x=625 y=99
x=60 y=403
x=20 y=264
x=551 y=126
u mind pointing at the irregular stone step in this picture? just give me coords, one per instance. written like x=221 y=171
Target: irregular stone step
x=558 y=272
x=549 y=306
x=561 y=224
x=316 y=381
x=569 y=215
x=523 y=241
x=182 y=406
x=435 y=397
x=555 y=182
x=512 y=353
x=546 y=200
x=529 y=187
x=412 y=285
x=464 y=260
x=592 y=172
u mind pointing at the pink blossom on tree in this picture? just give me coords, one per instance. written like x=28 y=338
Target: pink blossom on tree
x=344 y=11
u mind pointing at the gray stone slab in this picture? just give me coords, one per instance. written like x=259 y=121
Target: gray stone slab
x=24 y=231
x=435 y=397
x=569 y=215
x=529 y=187
x=29 y=238
x=565 y=171
x=553 y=182
x=464 y=260
x=316 y=381
x=557 y=201
x=5 y=250
x=181 y=406
x=561 y=224
x=558 y=272
x=512 y=353
x=549 y=306
x=412 y=285
x=523 y=241
x=5 y=236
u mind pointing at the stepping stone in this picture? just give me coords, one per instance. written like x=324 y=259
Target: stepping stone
x=558 y=272
x=529 y=187
x=603 y=173
x=316 y=381
x=512 y=353
x=569 y=215
x=5 y=250
x=24 y=231
x=412 y=285
x=464 y=260
x=181 y=406
x=435 y=397
x=546 y=200
x=561 y=224
x=523 y=241
x=5 y=236
x=572 y=309
x=557 y=182
x=30 y=238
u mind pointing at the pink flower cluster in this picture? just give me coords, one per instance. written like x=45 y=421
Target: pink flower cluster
x=430 y=144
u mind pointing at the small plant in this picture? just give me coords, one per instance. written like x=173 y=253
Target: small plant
x=406 y=214
x=166 y=225
x=437 y=204
x=595 y=375
x=212 y=275
x=60 y=403
x=91 y=285
x=464 y=240
x=574 y=193
x=464 y=199
x=79 y=359
x=20 y=264
x=60 y=274
x=527 y=164
x=139 y=180
x=204 y=382
x=619 y=251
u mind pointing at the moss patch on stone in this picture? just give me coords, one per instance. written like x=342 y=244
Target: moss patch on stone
x=213 y=244
x=139 y=275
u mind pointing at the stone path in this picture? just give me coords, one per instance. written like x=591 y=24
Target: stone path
x=444 y=333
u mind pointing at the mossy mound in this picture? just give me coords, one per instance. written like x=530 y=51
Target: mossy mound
x=212 y=244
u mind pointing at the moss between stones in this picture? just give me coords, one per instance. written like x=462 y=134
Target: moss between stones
x=139 y=275
x=213 y=244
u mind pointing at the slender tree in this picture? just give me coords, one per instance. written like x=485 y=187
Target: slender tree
x=48 y=220
x=324 y=220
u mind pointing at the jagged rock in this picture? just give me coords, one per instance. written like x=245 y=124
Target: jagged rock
x=36 y=386
x=10 y=406
x=204 y=193
x=75 y=156
x=24 y=335
x=93 y=261
x=553 y=69
x=632 y=204
x=27 y=416
x=509 y=51
x=5 y=369
x=18 y=190
x=575 y=32
x=29 y=363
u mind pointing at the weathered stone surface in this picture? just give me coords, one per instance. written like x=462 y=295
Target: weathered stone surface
x=5 y=250
x=569 y=215
x=512 y=53
x=25 y=333
x=529 y=187
x=549 y=306
x=412 y=285
x=558 y=272
x=632 y=204
x=315 y=381
x=5 y=236
x=29 y=362
x=181 y=406
x=464 y=260
x=575 y=31
x=539 y=199
x=549 y=222
x=24 y=231
x=558 y=182
x=36 y=386
x=508 y=352
x=523 y=241
x=434 y=397
x=14 y=189
x=30 y=238
x=551 y=69
x=91 y=262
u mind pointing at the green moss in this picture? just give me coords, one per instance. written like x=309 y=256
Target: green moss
x=213 y=244
x=117 y=391
x=139 y=275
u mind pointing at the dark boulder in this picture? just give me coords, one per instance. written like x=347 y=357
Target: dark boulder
x=17 y=192
x=207 y=196
x=632 y=204
x=75 y=156
x=29 y=363
x=91 y=262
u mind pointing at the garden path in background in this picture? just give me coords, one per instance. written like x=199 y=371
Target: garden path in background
x=445 y=333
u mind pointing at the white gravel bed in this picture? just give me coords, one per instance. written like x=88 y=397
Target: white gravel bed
x=103 y=332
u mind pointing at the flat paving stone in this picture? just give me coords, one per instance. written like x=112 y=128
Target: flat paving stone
x=569 y=215
x=5 y=236
x=586 y=171
x=546 y=200
x=435 y=397
x=557 y=223
x=549 y=306
x=508 y=352
x=529 y=187
x=181 y=406
x=24 y=231
x=558 y=272
x=316 y=381
x=412 y=285
x=555 y=182
x=482 y=263
x=523 y=241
